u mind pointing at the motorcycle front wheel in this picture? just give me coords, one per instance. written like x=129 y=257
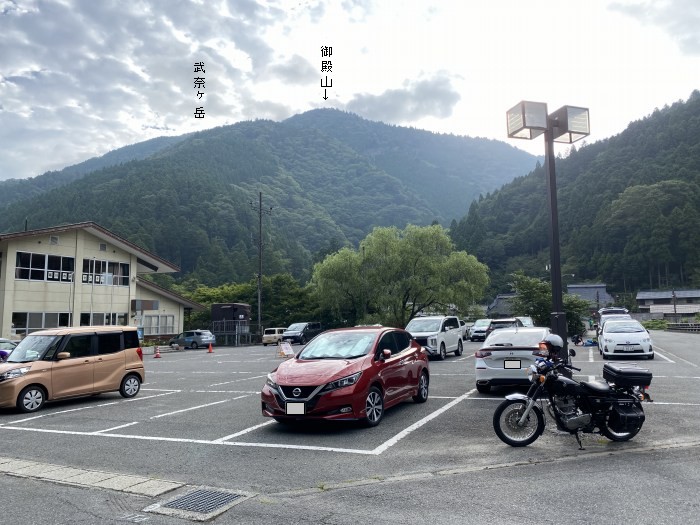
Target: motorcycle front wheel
x=505 y=423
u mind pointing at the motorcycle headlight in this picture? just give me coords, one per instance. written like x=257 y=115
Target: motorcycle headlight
x=532 y=373
x=342 y=382
x=14 y=373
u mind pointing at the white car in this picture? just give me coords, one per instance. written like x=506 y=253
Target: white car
x=438 y=334
x=478 y=329
x=625 y=337
x=506 y=355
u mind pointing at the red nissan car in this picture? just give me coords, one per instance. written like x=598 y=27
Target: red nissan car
x=348 y=373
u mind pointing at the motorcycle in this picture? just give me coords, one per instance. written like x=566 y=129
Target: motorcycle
x=612 y=407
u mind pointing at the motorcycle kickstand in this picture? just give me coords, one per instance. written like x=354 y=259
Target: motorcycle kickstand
x=578 y=439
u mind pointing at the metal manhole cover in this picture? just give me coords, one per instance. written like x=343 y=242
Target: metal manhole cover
x=201 y=504
x=203 y=501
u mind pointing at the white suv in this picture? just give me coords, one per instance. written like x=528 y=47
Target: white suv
x=437 y=334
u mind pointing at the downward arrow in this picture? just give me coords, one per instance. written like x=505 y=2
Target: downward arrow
x=325 y=97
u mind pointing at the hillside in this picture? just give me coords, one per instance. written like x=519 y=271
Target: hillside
x=190 y=202
x=628 y=210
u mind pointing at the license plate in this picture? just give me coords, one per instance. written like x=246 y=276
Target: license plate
x=296 y=409
x=511 y=363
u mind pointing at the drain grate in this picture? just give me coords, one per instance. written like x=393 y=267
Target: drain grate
x=203 y=501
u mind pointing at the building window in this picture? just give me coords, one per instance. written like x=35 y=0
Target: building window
x=24 y=323
x=158 y=324
x=108 y=273
x=41 y=267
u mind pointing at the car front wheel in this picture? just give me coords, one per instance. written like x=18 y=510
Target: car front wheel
x=31 y=399
x=374 y=407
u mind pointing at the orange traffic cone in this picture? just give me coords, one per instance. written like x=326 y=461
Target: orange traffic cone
x=211 y=350
x=157 y=355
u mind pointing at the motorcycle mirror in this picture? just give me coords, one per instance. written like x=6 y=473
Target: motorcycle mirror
x=572 y=352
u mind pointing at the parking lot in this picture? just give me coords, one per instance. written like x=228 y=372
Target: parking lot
x=197 y=421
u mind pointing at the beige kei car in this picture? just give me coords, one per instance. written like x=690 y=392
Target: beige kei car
x=67 y=362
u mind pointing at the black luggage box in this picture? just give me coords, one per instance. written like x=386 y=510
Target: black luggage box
x=626 y=375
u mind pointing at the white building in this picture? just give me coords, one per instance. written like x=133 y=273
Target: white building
x=81 y=275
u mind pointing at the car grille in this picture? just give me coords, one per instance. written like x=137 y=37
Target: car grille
x=423 y=341
x=306 y=391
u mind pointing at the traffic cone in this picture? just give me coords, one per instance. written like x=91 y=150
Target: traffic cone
x=211 y=350
x=157 y=355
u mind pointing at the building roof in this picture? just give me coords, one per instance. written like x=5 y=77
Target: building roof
x=149 y=285
x=501 y=306
x=147 y=262
x=668 y=294
x=595 y=294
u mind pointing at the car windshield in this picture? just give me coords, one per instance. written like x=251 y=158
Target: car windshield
x=338 y=345
x=482 y=322
x=424 y=325
x=296 y=327
x=529 y=338
x=621 y=328
x=33 y=348
x=6 y=345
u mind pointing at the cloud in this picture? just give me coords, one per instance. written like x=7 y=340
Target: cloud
x=296 y=70
x=679 y=18
x=432 y=97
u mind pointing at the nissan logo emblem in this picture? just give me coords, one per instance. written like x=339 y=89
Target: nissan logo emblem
x=296 y=392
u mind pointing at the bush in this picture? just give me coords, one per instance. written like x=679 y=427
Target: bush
x=655 y=324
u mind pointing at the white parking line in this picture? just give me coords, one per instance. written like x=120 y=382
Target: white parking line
x=590 y=355
x=237 y=380
x=116 y=428
x=656 y=351
x=192 y=408
x=250 y=429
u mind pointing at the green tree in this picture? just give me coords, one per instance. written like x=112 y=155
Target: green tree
x=397 y=273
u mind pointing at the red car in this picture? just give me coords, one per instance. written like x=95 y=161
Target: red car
x=348 y=373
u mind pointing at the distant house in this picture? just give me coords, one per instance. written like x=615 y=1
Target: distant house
x=596 y=294
x=84 y=275
x=669 y=302
x=502 y=306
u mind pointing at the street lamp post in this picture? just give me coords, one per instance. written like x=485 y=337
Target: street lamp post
x=568 y=124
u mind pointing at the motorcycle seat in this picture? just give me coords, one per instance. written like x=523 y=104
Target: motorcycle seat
x=597 y=387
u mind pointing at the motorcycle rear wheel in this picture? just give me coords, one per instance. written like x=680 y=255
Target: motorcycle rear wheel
x=505 y=423
x=618 y=436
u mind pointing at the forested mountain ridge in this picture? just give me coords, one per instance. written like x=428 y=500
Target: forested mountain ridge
x=13 y=190
x=190 y=202
x=628 y=210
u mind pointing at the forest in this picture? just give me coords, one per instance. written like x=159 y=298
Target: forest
x=327 y=179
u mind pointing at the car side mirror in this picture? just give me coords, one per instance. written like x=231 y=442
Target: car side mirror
x=572 y=352
x=386 y=353
x=63 y=355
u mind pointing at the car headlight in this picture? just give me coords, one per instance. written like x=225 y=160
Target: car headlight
x=14 y=373
x=432 y=341
x=342 y=382
x=271 y=382
x=646 y=340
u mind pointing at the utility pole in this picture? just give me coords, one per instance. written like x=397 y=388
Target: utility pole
x=268 y=211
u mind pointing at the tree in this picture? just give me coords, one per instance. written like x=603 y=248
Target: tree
x=396 y=274
x=534 y=298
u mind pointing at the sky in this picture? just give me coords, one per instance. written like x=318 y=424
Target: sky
x=79 y=78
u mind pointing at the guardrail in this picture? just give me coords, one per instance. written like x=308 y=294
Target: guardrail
x=683 y=327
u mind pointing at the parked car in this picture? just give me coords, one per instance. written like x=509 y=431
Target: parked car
x=348 y=373
x=606 y=317
x=438 y=334
x=527 y=321
x=508 y=322
x=625 y=337
x=194 y=339
x=464 y=327
x=6 y=348
x=301 y=333
x=67 y=362
x=506 y=355
x=272 y=336
x=478 y=329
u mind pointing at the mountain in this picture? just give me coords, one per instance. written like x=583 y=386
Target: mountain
x=326 y=177
x=628 y=210
x=13 y=190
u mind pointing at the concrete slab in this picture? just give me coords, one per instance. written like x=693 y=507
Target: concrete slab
x=62 y=473
x=90 y=477
x=120 y=482
x=154 y=487
x=16 y=464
